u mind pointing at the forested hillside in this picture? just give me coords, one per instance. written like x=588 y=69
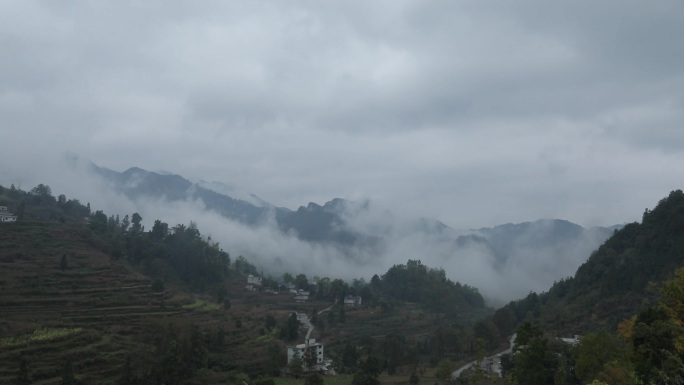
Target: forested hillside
x=617 y=280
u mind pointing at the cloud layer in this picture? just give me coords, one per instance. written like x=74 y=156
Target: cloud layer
x=474 y=113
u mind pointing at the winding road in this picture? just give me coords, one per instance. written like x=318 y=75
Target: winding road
x=511 y=341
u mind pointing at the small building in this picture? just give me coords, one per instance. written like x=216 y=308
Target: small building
x=302 y=317
x=253 y=283
x=574 y=340
x=253 y=280
x=352 y=301
x=303 y=351
x=301 y=296
x=6 y=216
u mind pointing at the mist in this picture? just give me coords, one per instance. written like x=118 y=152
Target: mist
x=461 y=253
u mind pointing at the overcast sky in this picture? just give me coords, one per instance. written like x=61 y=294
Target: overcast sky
x=475 y=113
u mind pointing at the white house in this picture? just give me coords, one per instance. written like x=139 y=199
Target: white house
x=301 y=351
x=352 y=301
x=301 y=298
x=253 y=280
x=575 y=340
x=253 y=283
x=6 y=216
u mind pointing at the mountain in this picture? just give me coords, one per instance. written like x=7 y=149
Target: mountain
x=85 y=295
x=136 y=183
x=312 y=223
x=619 y=279
x=506 y=261
x=551 y=239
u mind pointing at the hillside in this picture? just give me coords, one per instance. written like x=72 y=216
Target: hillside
x=102 y=298
x=618 y=280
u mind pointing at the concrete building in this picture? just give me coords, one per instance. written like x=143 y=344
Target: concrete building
x=302 y=351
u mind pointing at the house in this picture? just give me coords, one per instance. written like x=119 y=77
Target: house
x=352 y=301
x=253 y=280
x=301 y=296
x=253 y=283
x=304 y=351
x=574 y=340
x=6 y=216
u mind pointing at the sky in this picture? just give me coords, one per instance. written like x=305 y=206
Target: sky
x=475 y=113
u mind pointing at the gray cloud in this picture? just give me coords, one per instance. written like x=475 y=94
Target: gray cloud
x=475 y=113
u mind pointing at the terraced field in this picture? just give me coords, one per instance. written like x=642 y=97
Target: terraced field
x=92 y=313
x=98 y=314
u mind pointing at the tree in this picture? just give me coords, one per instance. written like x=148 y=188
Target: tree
x=125 y=223
x=331 y=318
x=295 y=367
x=310 y=359
x=655 y=355
x=270 y=321
x=596 y=351
x=314 y=316
x=221 y=293
x=301 y=282
x=21 y=211
x=159 y=230
x=275 y=359
x=63 y=263
x=534 y=363
x=350 y=356
x=290 y=331
x=394 y=349
x=98 y=222
x=313 y=379
x=368 y=374
x=42 y=190
x=136 y=226
x=444 y=370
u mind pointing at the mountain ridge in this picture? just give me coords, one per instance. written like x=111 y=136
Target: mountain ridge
x=361 y=234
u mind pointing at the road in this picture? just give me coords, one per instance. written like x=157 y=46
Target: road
x=307 y=322
x=511 y=342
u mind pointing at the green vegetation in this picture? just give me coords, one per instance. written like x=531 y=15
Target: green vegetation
x=120 y=303
x=618 y=280
x=39 y=335
x=649 y=349
x=91 y=298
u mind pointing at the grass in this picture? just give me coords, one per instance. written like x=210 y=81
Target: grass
x=342 y=379
x=39 y=335
x=202 y=305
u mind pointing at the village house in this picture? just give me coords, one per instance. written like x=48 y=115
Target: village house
x=301 y=296
x=6 y=216
x=574 y=340
x=301 y=351
x=352 y=301
x=253 y=283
